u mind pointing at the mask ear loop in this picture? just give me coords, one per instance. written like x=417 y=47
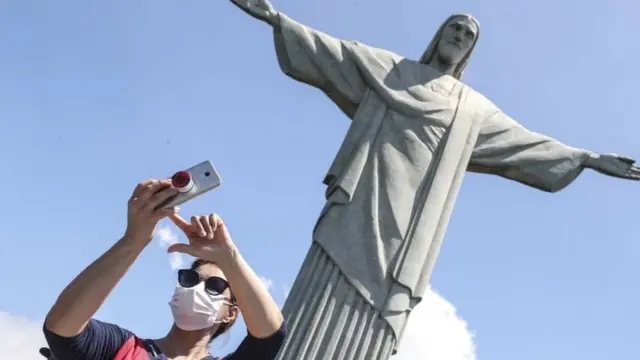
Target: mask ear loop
x=231 y=305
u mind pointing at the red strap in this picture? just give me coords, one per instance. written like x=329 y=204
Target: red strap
x=133 y=349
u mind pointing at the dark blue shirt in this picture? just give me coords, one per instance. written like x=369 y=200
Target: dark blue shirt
x=103 y=341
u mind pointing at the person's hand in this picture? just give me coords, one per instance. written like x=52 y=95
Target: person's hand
x=259 y=9
x=209 y=239
x=615 y=165
x=143 y=214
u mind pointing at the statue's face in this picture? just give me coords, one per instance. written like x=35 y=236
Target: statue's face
x=457 y=39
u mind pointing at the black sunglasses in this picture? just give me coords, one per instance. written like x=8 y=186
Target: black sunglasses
x=214 y=285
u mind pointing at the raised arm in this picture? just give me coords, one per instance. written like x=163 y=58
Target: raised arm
x=210 y=240
x=313 y=57
x=79 y=301
x=507 y=149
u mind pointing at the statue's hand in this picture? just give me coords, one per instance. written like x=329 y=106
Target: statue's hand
x=259 y=9
x=615 y=165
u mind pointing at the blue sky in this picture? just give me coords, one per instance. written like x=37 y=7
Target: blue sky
x=96 y=96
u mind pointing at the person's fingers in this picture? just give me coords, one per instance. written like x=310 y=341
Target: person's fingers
x=221 y=231
x=206 y=224
x=213 y=219
x=221 y=227
x=180 y=222
x=197 y=227
x=152 y=188
x=160 y=197
x=148 y=190
x=140 y=188
x=185 y=249
x=161 y=214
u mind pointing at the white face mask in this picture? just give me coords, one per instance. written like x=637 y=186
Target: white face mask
x=195 y=309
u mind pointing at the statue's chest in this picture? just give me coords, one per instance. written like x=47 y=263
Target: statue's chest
x=437 y=102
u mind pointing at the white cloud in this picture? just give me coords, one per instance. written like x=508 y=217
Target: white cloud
x=267 y=282
x=21 y=338
x=166 y=237
x=436 y=332
x=176 y=261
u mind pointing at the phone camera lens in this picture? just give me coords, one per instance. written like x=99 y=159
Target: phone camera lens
x=207 y=173
x=181 y=179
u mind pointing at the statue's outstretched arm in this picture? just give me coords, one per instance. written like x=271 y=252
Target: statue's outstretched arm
x=259 y=9
x=508 y=149
x=313 y=57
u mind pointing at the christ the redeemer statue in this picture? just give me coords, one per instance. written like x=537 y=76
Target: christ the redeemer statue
x=416 y=129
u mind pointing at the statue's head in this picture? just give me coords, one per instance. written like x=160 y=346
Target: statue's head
x=453 y=43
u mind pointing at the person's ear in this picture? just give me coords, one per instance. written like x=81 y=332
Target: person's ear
x=232 y=314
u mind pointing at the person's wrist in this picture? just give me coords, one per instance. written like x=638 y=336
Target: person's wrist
x=231 y=261
x=138 y=236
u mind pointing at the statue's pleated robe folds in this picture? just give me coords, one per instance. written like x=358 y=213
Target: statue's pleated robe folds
x=391 y=188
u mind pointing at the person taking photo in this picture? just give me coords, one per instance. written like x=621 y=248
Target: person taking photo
x=205 y=302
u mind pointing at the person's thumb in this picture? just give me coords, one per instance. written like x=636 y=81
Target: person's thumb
x=184 y=249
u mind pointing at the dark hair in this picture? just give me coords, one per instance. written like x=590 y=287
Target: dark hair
x=223 y=327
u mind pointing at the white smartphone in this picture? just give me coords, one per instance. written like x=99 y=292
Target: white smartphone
x=193 y=182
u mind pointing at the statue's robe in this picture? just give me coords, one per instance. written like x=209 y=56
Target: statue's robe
x=391 y=188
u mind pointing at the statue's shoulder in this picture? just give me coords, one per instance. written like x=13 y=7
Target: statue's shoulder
x=480 y=103
x=475 y=97
x=379 y=53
